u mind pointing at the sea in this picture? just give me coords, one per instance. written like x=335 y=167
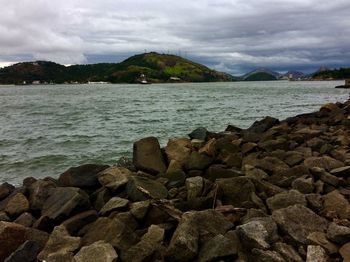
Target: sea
x=45 y=129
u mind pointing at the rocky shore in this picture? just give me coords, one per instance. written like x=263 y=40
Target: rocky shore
x=277 y=191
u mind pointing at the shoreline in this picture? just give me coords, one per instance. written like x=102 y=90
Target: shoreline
x=275 y=191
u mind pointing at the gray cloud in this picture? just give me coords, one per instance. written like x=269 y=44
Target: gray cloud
x=229 y=35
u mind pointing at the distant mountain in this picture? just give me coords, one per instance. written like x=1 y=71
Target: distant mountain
x=332 y=74
x=261 y=74
x=156 y=68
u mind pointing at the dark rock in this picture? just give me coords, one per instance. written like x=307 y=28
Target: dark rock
x=293 y=158
x=126 y=163
x=59 y=242
x=148 y=245
x=17 y=205
x=11 y=237
x=345 y=252
x=25 y=252
x=303 y=185
x=60 y=257
x=251 y=214
x=217 y=248
x=114 y=177
x=316 y=253
x=199 y=133
x=338 y=234
x=221 y=171
x=4 y=216
x=154 y=188
x=272 y=165
x=100 y=197
x=263 y=125
x=38 y=193
x=287 y=252
x=239 y=192
x=98 y=251
x=64 y=202
x=148 y=157
x=75 y=223
x=81 y=176
x=259 y=255
x=255 y=173
x=37 y=236
x=232 y=160
x=341 y=171
x=115 y=203
x=125 y=217
x=5 y=190
x=314 y=202
x=320 y=239
x=26 y=219
x=175 y=179
x=265 y=189
x=285 y=199
x=336 y=205
x=298 y=222
x=198 y=161
x=326 y=162
x=274 y=144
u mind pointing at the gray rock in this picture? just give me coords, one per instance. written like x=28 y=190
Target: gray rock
x=98 y=251
x=303 y=185
x=81 y=176
x=115 y=203
x=148 y=157
x=338 y=234
x=320 y=239
x=63 y=201
x=285 y=199
x=194 y=186
x=25 y=252
x=298 y=222
x=199 y=133
x=316 y=253
x=217 y=248
x=114 y=177
x=59 y=242
x=287 y=252
x=154 y=188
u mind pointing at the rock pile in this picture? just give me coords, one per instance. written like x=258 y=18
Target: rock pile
x=277 y=191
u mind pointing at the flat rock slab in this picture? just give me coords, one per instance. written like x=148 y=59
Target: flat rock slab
x=147 y=156
x=98 y=251
x=154 y=188
x=114 y=177
x=115 y=203
x=298 y=222
x=285 y=199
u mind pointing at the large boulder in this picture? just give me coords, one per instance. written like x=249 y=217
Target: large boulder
x=137 y=184
x=17 y=205
x=11 y=237
x=81 y=176
x=114 y=204
x=148 y=156
x=263 y=125
x=326 y=162
x=114 y=177
x=63 y=202
x=178 y=150
x=98 y=251
x=198 y=161
x=78 y=221
x=39 y=192
x=5 y=190
x=217 y=248
x=285 y=199
x=25 y=252
x=298 y=222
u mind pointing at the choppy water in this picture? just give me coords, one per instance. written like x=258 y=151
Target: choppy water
x=46 y=129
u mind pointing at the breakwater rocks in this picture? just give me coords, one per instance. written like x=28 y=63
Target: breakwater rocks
x=277 y=191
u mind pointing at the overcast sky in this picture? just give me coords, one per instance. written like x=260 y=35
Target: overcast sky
x=235 y=36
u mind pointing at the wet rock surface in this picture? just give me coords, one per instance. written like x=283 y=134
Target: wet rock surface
x=277 y=191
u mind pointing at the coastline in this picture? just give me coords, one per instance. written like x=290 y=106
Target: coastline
x=274 y=191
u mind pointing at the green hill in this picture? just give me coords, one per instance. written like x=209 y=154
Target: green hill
x=158 y=68
x=339 y=74
x=260 y=76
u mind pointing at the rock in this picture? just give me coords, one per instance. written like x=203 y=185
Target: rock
x=140 y=209
x=63 y=202
x=100 y=197
x=148 y=157
x=26 y=219
x=60 y=257
x=5 y=190
x=127 y=218
x=17 y=205
x=155 y=189
x=255 y=173
x=219 y=247
x=336 y=205
x=25 y=252
x=338 y=234
x=11 y=237
x=320 y=239
x=303 y=185
x=272 y=165
x=98 y=251
x=345 y=252
x=298 y=222
x=341 y=171
x=59 y=242
x=208 y=148
x=198 y=161
x=239 y=192
x=194 y=186
x=248 y=147
x=4 y=217
x=78 y=221
x=38 y=193
x=285 y=199
x=175 y=179
x=330 y=179
x=287 y=252
x=263 y=125
x=115 y=203
x=221 y=171
x=37 y=236
x=316 y=253
x=326 y=162
x=274 y=144
x=112 y=231
x=265 y=189
x=145 y=249
x=200 y=133
x=114 y=177
x=314 y=202
x=259 y=255
x=233 y=160
x=293 y=158
x=81 y=176
x=178 y=150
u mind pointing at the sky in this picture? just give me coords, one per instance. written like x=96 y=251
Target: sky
x=234 y=36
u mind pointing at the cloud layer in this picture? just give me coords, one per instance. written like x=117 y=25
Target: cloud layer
x=230 y=35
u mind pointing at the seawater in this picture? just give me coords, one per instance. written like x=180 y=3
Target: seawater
x=46 y=129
